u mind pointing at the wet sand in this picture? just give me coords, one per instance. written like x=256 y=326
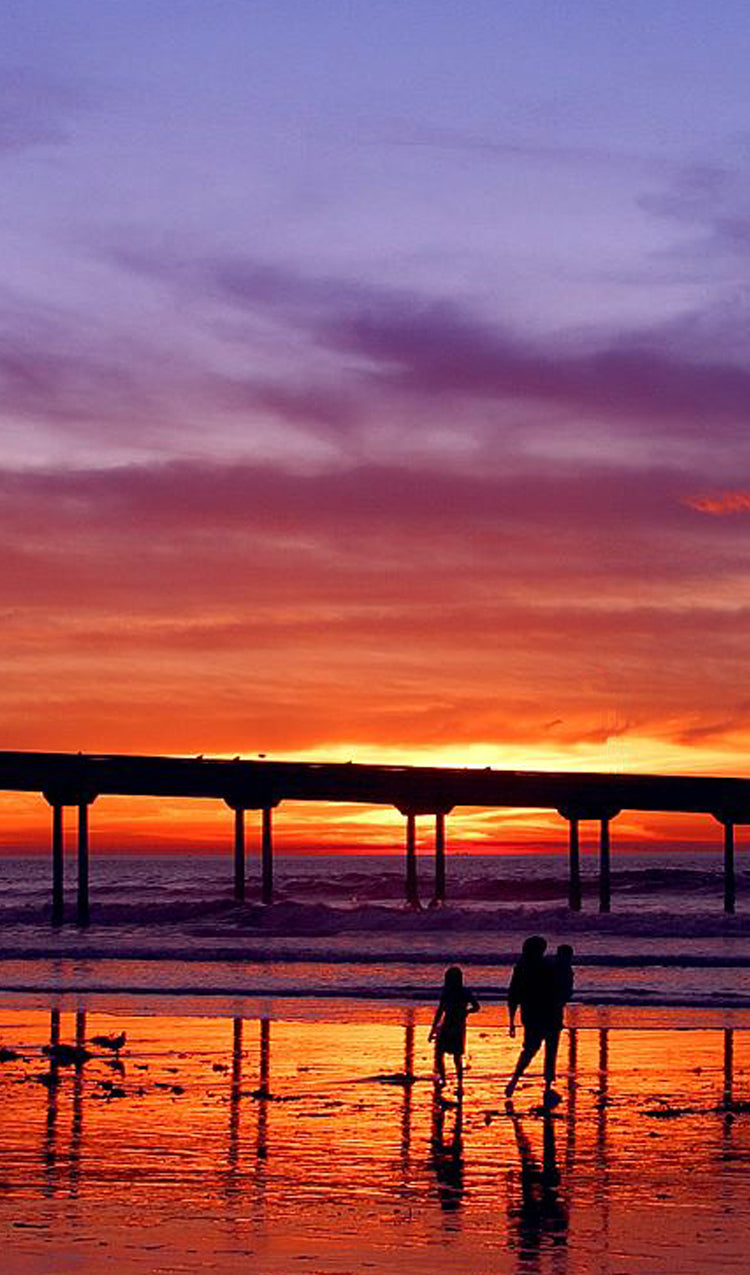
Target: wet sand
x=307 y=1138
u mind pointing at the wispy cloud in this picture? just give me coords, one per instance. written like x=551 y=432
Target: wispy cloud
x=402 y=343
x=725 y=502
x=371 y=602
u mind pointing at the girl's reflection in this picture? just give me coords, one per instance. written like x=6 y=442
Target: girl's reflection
x=49 y=1151
x=447 y=1156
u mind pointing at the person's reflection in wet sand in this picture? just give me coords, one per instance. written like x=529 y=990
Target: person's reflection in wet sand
x=49 y=1149
x=570 y=1146
x=406 y=1115
x=235 y=1093
x=262 y=1096
x=263 y=1093
x=76 y=1131
x=540 y=1218
x=728 y=1094
x=447 y=1157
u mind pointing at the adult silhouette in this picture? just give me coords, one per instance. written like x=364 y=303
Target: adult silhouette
x=540 y=987
x=540 y=1215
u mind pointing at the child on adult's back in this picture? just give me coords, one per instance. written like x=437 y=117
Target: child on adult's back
x=449 y=1024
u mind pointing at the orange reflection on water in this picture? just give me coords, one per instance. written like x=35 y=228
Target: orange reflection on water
x=208 y=1142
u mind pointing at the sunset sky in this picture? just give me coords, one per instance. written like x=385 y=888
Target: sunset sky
x=375 y=384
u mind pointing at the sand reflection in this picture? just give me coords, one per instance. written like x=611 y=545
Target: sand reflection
x=210 y=1141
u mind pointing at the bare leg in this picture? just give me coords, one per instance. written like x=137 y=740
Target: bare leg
x=531 y=1044
x=458 y=1060
x=551 y=1042
x=440 y=1065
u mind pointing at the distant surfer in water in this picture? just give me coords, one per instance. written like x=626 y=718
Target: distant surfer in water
x=449 y=1024
x=540 y=986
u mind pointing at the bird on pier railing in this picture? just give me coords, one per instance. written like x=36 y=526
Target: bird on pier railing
x=115 y=1043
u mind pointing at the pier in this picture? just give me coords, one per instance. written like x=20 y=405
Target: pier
x=76 y=780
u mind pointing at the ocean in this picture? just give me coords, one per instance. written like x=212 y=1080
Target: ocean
x=162 y=925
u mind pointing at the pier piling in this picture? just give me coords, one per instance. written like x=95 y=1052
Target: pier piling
x=412 y=886
x=266 y=851
x=575 y=897
x=729 y=873
x=239 y=854
x=604 y=865
x=82 y=905
x=439 y=895
x=58 y=884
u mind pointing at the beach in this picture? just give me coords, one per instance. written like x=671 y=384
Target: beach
x=273 y=1102
x=306 y=1135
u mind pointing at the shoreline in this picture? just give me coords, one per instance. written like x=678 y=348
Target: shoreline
x=252 y=956
x=323 y=1007
x=389 y=996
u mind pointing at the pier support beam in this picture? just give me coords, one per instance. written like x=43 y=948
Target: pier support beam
x=58 y=883
x=729 y=873
x=266 y=852
x=412 y=886
x=82 y=900
x=729 y=817
x=604 y=865
x=239 y=854
x=575 y=896
x=439 y=896
x=59 y=798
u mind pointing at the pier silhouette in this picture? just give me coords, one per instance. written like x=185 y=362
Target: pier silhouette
x=76 y=780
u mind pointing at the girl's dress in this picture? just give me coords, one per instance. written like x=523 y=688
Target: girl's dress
x=451 y=1038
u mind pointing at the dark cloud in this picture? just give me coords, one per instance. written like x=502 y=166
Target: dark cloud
x=346 y=362
x=442 y=353
x=431 y=351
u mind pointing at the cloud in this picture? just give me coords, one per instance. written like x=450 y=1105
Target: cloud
x=440 y=352
x=394 y=501
x=433 y=353
x=737 y=725
x=725 y=502
x=371 y=603
x=411 y=134
x=71 y=377
x=247 y=358
x=714 y=200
